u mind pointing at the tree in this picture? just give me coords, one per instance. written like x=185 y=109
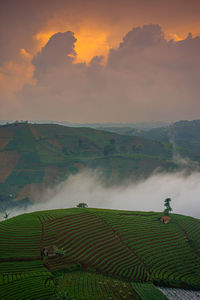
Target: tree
x=56 y=278
x=5 y=205
x=168 y=208
x=60 y=252
x=112 y=141
x=82 y=205
x=109 y=149
x=5 y=216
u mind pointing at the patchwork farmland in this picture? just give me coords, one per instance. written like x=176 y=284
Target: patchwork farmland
x=34 y=157
x=101 y=254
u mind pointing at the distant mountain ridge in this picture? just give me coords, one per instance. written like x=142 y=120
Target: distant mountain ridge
x=139 y=125
x=184 y=136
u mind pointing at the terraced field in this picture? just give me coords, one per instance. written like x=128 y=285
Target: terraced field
x=107 y=254
x=86 y=238
x=89 y=286
x=162 y=248
x=148 y=291
x=21 y=241
x=27 y=289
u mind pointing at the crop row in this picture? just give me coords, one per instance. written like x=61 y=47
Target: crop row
x=20 y=237
x=27 y=289
x=10 y=277
x=191 y=229
x=162 y=248
x=88 y=240
x=21 y=266
x=91 y=286
x=50 y=215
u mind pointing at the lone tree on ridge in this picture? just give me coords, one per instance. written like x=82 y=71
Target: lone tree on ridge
x=168 y=208
x=82 y=205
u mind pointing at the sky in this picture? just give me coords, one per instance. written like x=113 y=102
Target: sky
x=99 y=61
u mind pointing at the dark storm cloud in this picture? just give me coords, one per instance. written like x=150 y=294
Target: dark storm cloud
x=148 y=43
x=21 y=19
x=142 y=37
x=145 y=78
x=134 y=43
x=55 y=54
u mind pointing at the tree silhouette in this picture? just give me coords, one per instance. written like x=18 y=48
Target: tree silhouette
x=168 y=208
x=5 y=216
x=82 y=205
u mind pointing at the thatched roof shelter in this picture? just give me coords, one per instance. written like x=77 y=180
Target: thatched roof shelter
x=165 y=219
x=50 y=251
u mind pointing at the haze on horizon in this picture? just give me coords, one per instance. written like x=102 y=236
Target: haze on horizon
x=108 y=61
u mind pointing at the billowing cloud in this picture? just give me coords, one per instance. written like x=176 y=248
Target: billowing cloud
x=146 y=77
x=22 y=20
x=57 y=53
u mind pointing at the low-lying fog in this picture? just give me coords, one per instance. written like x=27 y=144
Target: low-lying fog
x=146 y=195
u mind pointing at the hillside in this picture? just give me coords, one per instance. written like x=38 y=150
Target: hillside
x=104 y=254
x=183 y=135
x=36 y=156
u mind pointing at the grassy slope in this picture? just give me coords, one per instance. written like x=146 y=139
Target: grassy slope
x=106 y=252
x=33 y=157
x=184 y=134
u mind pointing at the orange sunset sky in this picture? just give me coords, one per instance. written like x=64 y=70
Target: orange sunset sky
x=97 y=61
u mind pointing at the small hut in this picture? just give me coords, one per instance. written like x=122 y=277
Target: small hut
x=50 y=251
x=165 y=219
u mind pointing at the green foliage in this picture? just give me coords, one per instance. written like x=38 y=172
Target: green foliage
x=27 y=229
x=27 y=170
x=148 y=291
x=82 y=205
x=168 y=208
x=184 y=134
x=109 y=149
x=27 y=288
x=158 y=246
x=63 y=295
x=23 y=140
x=60 y=251
x=95 y=286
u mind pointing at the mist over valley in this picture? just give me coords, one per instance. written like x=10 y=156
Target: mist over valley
x=49 y=166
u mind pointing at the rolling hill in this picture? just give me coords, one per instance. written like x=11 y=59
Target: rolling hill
x=184 y=136
x=36 y=156
x=101 y=254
